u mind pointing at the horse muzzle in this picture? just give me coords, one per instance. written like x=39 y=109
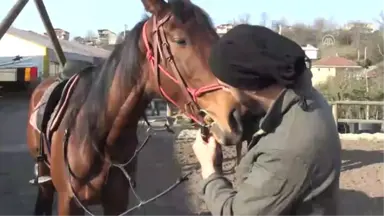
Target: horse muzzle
x=222 y=136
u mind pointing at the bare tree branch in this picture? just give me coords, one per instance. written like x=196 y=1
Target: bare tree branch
x=243 y=19
x=381 y=53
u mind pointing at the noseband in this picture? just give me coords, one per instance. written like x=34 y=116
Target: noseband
x=161 y=48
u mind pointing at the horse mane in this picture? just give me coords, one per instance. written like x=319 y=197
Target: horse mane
x=91 y=95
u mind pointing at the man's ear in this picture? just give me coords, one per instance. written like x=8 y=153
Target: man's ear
x=155 y=7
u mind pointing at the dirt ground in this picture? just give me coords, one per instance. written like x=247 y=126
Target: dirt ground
x=361 y=179
x=160 y=163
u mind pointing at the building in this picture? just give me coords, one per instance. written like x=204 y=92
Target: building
x=332 y=66
x=311 y=51
x=61 y=34
x=36 y=50
x=106 y=36
x=223 y=29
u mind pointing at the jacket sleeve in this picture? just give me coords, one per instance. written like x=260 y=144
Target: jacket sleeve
x=271 y=187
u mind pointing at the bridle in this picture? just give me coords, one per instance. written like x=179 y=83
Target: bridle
x=161 y=49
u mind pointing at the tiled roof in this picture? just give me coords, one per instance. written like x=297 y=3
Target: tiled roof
x=335 y=61
x=67 y=46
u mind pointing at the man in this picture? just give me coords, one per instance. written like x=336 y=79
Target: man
x=292 y=166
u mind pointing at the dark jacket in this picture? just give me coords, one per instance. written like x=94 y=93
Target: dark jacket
x=292 y=166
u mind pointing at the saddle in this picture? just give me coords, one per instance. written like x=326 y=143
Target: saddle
x=72 y=68
x=56 y=96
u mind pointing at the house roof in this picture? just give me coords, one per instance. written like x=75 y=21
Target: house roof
x=67 y=46
x=334 y=61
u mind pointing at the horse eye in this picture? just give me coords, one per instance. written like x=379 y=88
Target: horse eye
x=181 y=42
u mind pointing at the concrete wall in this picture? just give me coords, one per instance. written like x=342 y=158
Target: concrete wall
x=321 y=74
x=11 y=46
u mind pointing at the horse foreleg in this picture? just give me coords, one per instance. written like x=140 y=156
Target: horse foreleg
x=115 y=194
x=45 y=196
x=67 y=205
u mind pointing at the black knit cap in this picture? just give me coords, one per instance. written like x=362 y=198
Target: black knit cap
x=253 y=57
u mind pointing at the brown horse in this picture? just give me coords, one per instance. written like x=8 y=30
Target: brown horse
x=93 y=116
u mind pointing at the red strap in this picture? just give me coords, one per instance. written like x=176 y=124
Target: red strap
x=194 y=92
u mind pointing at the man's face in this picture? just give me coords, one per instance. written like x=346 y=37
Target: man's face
x=245 y=99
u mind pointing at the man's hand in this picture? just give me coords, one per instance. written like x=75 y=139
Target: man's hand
x=206 y=153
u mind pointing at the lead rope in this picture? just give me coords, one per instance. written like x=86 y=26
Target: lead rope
x=122 y=166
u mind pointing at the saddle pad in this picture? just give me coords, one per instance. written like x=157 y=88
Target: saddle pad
x=59 y=112
x=36 y=118
x=48 y=113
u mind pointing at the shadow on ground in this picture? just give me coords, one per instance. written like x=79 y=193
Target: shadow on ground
x=357 y=203
x=354 y=159
x=17 y=197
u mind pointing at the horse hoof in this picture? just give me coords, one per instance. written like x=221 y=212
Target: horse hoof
x=40 y=180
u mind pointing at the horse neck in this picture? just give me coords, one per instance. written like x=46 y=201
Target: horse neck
x=126 y=111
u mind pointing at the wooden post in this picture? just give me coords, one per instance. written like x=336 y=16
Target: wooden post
x=334 y=112
x=169 y=115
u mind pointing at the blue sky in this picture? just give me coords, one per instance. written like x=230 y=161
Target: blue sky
x=79 y=16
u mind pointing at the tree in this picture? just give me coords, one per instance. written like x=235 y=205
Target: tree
x=360 y=31
x=320 y=26
x=79 y=39
x=90 y=35
x=301 y=34
x=263 y=19
x=344 y=38
x=380 y=21
x=242 y=19
x=279 y=25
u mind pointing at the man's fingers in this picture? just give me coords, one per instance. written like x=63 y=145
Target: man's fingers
x=199 y=135
x=212 y=142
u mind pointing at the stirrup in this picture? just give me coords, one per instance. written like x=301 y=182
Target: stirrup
x=39 y=179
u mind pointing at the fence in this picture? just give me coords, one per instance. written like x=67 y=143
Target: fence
x=369 y=113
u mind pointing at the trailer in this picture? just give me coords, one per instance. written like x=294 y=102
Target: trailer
x=22 y=75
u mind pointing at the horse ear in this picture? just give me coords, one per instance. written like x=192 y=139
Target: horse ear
x=154 y=6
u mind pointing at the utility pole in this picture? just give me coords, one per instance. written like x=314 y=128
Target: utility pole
x=125 y=29
x=365 y=53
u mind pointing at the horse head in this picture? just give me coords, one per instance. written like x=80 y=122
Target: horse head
x=177 y=40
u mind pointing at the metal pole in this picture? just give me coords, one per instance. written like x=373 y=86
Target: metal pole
x=11 y=16
x=50 y=31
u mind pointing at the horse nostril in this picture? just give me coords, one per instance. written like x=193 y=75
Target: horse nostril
x=207 y=118
x=235 y=121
